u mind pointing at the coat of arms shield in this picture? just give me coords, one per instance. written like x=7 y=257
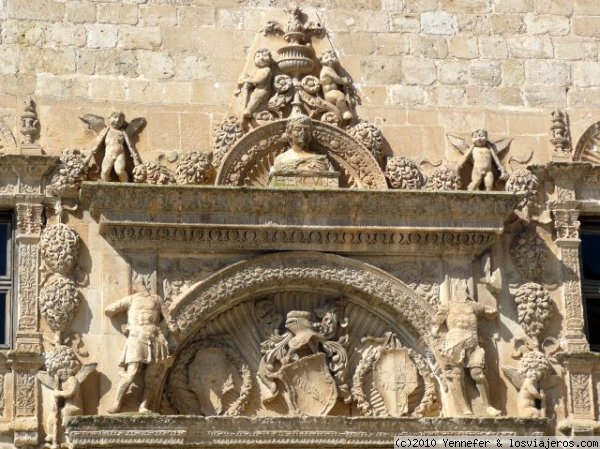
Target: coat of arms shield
x=309 y=387
x=395 y=378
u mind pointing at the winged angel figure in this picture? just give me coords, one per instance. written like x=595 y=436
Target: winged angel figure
x=484 y=156
x=116 y=137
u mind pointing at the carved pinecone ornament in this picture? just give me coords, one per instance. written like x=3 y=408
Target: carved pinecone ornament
x=371 y=137
x=59 y=300
x=403 y=173
x=59 y=246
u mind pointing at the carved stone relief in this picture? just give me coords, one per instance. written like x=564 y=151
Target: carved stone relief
x=523 y=181
x=529 y=253
x=443 y=178
x=484 y=157
x=560 y=136
x=403 y=173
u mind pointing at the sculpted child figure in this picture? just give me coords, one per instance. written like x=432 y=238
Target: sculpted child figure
x=146 y=345
x=483 y=155
x=461 y=351
x=257 y=89
x=331 y=82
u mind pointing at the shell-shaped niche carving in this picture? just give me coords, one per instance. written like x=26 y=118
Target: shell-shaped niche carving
x=292 y=354
x=250 y=159
x=59 y=246
x=59 y=300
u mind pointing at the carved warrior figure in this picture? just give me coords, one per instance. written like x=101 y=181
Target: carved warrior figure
x=483 y=155
x=334 y=85
x=117 y=140
x=299 y=156
x=146 y=345
x=461 y=351
x=64 y=377
x=300 y=363
x=256 y=90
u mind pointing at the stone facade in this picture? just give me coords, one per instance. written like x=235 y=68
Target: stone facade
x=235 y=217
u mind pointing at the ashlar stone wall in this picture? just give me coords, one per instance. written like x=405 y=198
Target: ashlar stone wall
x=423 y=67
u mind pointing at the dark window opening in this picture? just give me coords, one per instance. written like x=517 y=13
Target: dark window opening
x=590 y=267
x=6 y=277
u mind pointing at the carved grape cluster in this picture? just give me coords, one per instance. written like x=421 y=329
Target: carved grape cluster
x=59 y=300
x=194 y=167
x=534 y=365
x=403 y=173
x=59 y=246
x=71 y=170
x=522 y=180
x=533 y=308
x=370 y=136
x=152 y=173
x=529 y=252
x=62 y=362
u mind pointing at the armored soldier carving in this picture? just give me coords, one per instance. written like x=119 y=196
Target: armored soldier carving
x=146 y=345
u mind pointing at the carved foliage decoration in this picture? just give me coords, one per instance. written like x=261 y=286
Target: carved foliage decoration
x=403 y=173
x=523 y=181
x=59 y=247
x=534 y=308
x=25 y=394
x=153 y=173
x=194 y=167
x=529 y=253
x=28 y=285
x=370 y=136
x=210 y=378
x=224 y=135
x=59 y=300
x=443 y=178
x=387 y=375
x=71 y=171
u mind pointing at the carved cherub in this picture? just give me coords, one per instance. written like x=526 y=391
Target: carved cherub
x=116 y=137
x=64 y=377
x=256 y=89
x=333 y=84
x=534 y=374
x=484 y=155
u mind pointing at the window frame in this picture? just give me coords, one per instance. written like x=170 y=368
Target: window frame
x=590 y=288
x=7 y=283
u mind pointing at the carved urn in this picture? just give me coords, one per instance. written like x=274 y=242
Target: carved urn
x=297 y=59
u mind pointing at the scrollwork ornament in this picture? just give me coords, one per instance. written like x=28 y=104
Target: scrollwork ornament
x=529 y=252
x=153 y=173
x=59 y=301
x=194 y=167
x=59 y=246
x=534 y=308
x=443 y=178
x=403 y=173
x=523 y=181
x=370 y=136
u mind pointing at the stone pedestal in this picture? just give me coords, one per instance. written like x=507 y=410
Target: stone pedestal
x=304 y=178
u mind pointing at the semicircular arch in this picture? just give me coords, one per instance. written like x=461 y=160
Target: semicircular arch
x=249 y=159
